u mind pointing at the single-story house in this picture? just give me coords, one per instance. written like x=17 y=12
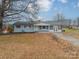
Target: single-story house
x=36 y=27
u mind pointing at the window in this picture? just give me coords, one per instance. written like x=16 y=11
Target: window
x=25 y=26
x=44 y=27
x=18 y=26
x=51 y=27
x=39 y=27
x=29 y=26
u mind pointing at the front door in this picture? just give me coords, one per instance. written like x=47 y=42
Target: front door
x=55 y=28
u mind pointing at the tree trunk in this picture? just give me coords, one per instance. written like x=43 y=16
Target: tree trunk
x=1 y=20
x=2 y=14
x=0 y=23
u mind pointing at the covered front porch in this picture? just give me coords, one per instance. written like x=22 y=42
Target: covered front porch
x=43 y=27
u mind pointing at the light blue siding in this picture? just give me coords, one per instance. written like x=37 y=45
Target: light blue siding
x=22 y=29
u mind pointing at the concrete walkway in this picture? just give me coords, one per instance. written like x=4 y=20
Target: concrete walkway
x=71 y=39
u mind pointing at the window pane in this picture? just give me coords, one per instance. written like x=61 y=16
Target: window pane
x=18 y=26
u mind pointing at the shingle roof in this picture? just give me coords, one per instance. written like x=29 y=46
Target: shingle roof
x=23 y=23
x=63 y=22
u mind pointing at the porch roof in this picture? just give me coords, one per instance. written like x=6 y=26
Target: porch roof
x=41 y=24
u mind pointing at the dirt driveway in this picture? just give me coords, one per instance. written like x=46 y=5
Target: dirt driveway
x=69 y=38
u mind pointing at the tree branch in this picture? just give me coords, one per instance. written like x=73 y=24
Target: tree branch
x=20 y=10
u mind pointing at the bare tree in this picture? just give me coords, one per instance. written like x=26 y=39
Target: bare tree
x=60 y=19
x=13 y=9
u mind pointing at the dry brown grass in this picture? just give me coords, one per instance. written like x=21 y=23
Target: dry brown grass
x=35 y=46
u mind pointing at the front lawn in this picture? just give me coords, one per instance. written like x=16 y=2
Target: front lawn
x=35 y=46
